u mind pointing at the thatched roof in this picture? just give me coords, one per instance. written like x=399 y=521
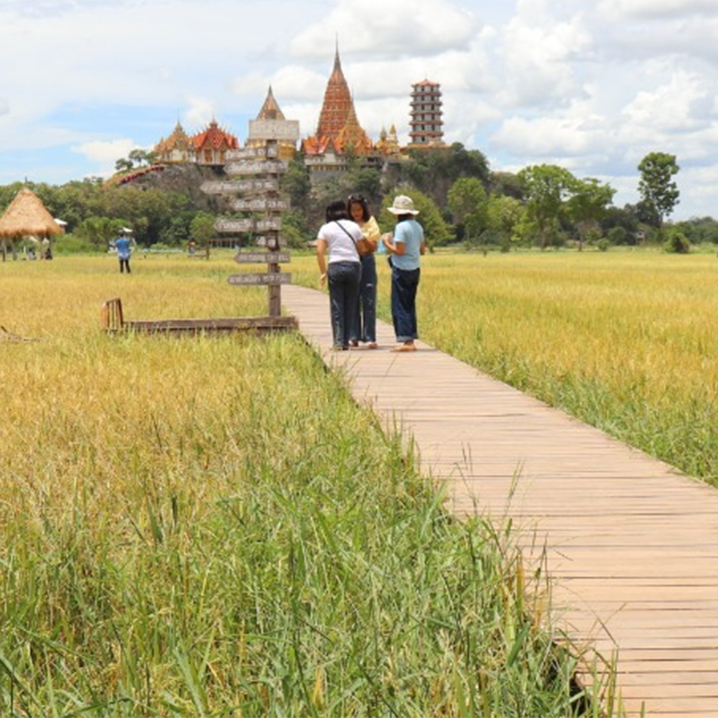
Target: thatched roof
x=26 y=215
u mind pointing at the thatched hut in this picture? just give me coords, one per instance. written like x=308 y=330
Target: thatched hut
x=26 y=216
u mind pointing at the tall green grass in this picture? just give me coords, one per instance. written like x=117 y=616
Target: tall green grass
x=212 y=527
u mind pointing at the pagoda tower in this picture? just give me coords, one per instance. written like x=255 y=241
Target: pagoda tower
x=337 y=103
x=426 y=123
x=339 y=133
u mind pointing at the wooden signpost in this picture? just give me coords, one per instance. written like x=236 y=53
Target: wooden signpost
x=259 y=168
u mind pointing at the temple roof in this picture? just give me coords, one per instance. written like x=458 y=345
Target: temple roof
x=337 y=102
x=179 y=139
x=338 y=128
x=270 y=109
x=215 y=137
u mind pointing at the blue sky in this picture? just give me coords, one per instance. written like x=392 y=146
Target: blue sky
x=591 y=85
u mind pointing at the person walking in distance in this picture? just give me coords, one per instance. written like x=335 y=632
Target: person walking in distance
x=405 y=246
x=123 y=247
x=364 y=327
x=342 y=240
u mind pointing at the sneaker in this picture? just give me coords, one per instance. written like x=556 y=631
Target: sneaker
x=372 y=345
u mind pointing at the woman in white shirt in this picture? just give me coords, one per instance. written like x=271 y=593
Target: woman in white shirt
x=341 y=239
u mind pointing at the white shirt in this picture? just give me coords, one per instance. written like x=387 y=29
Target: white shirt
x=340 y=244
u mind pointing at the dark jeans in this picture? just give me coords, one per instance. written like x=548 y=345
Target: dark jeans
x=404 y=284
x=364 y=327
x=124 y=264
x=344 y=278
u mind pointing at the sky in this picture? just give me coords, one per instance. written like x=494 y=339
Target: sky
x=590 y=85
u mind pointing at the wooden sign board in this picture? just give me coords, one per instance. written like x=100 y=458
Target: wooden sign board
x=234 y=225
x=248 y=225
x=262 y=257
x=250 y=153
x=264 y=241
x=256 y=280
x=259 y=167
x=271 y=224
x=237 y=187
x=260 y=204
x=282 y=130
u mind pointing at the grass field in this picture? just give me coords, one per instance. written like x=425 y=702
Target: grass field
x=212 y=527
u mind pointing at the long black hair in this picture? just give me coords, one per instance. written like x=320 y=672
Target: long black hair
x=336 y=210
x=358 y=199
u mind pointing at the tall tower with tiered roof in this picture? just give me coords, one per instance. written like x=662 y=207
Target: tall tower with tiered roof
x=426 y=123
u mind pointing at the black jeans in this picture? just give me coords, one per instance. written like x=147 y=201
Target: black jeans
x=124 y=264
x=364 y=328
x=404 y=284
x=344 y=278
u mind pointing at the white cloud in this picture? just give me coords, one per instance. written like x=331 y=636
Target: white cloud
x=648 y=9
x=590 y=84
x=105 y=154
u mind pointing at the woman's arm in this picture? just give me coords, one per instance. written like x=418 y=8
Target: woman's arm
x=322 y=260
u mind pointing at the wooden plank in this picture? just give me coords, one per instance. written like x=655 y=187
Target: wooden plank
x=270 y=279
x=260 y=204
x=270 y=151
x=240 y=186
x=227 y=324
x=248 y=225
x=248 y=167
x=262 y=257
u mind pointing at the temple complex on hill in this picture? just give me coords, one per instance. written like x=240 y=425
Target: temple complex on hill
x=207 y=147
x=340 y=142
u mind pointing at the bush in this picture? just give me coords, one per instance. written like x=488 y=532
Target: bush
x=70 y=244
x=677 y=243
x=603 y=244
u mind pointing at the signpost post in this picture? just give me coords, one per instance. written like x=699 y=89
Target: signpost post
x=259 y=167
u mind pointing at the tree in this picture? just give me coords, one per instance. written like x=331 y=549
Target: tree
x=436 y=231
x=466 y=200
x=503 y=215
x=588 y=204
x=546 y=188
x=656 y=186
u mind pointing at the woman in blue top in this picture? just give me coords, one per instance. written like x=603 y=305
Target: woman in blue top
x=405 y=247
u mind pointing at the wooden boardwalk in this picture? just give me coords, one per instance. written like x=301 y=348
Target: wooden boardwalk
x=630 y=545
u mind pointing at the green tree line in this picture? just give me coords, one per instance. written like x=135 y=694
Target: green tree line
x=461 y=201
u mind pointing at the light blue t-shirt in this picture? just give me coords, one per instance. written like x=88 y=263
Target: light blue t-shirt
x=122 y=246
x=411 y=234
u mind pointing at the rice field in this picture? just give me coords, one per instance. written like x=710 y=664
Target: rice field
x=626 y=340
x=212 y=527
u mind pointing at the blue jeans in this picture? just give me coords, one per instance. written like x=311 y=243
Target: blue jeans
x=344 y=278
x=404 y=283
x=364 y=327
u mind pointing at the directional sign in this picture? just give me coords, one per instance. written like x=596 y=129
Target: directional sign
x=272 y=279
x=260 y=257
x=249 y=153
x=283 y=130
x=268 y=225
x=251 y=185
x=260 y=204
x=265 y=241
x=256 y=168
x=234 y=225
x=248 y=225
